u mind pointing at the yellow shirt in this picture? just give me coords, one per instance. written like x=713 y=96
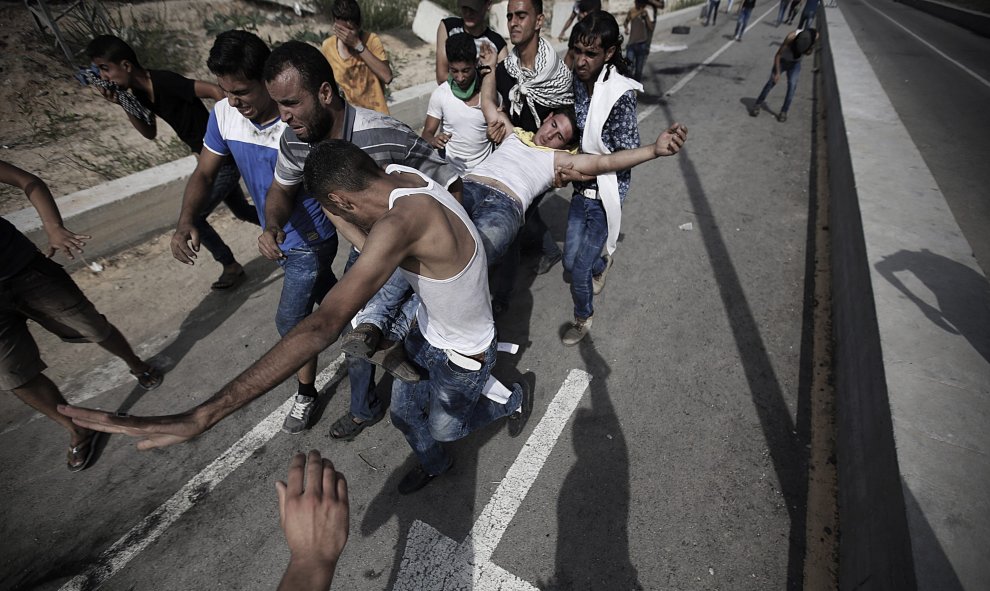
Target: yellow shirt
x=356 y=80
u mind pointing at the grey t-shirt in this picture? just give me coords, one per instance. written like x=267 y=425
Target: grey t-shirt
x=385 y=139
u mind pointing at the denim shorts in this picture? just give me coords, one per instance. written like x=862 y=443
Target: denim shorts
x=45 y=293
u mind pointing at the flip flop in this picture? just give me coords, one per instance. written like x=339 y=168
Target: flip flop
x=228 y=280
x=345 y=429
x=80 y=455
x=150 y=378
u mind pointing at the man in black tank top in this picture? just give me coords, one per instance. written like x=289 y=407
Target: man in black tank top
x=796 y=45
x=474 y=22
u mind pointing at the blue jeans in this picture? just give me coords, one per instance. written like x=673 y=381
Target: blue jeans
x=744 y=14
x=792 y=69
x=498 y=218
x=308 y=278
x=445 y=407
x=636 y=54
x=712 y=11
x=392 y=308
x=782 y=12
x=587 y=231
x=226 y=187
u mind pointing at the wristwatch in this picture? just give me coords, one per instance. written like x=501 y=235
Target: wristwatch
x=359 y=48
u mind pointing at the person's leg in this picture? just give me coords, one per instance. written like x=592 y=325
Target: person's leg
x=365 y=405
x=308 y=276
x=209 y=238
x=792 y=79
x=227 y=182
x=755 y=110
x=574 y=235
x=411 y=407
x=781 y=12
x=588 y=261
x=41 y=394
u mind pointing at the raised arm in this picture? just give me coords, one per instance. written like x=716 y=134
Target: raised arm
x=207 y=90
x=372 y=53
x=37 y=192
x=668 y=143
x=441 y=53
x=495 y=118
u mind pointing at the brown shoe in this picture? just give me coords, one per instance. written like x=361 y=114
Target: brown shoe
x=362 y=341
x=80 y=455
x=576 y=331
x=392 y=358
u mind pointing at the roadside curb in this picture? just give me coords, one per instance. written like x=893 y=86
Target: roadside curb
x=911 y=445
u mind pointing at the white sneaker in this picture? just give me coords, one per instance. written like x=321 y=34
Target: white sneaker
x=598 y=281
x=576 y=331
x=297 y=420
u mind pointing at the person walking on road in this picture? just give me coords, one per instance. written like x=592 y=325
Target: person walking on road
x=744 y=13
x=796 y=45
x=34 y=287
x=712 y=14
x=246 y=128
x=178 y=101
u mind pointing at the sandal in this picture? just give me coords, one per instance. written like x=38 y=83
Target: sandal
x=228 y=280
x=346 y=428
x=149 y=379
x=80 y=455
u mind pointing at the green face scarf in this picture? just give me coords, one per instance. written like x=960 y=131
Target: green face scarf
x=462 y=94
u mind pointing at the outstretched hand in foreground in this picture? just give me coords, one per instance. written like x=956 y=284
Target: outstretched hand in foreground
x=154 y=431
x=315 y=519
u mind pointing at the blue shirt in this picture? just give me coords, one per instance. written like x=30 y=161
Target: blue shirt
x=255 y=150
x=621 y=131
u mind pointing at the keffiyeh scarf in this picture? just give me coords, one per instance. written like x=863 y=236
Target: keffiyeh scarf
x=550 y=84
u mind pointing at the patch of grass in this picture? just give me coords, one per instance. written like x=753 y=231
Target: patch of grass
x=310 y=36
x=377 y=15
x=110 y=159
x=49 y=120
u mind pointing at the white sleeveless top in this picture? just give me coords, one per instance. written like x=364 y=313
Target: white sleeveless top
x=526 y=171
x=456 y=313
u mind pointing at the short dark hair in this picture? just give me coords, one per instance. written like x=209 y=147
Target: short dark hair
x=334 y=165
x=589 y=5
x=313 y=68
x=569 y=112
x=238 y=53
x=346 y=10
x=601 y=25
x=537 y=6
x=461 y=48
x=111 y=48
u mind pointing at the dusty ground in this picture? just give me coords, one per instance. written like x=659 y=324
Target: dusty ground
x=73 y=139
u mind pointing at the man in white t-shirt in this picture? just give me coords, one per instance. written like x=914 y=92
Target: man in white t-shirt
x=454 y=123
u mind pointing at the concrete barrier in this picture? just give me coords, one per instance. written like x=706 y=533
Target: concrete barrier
x=978 y=22
x=117 y=214
x=912 y=444
x=427 y=19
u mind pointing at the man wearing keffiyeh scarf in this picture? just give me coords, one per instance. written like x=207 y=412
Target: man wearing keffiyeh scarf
x=548 y=83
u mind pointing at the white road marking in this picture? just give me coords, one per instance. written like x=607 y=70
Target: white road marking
x=932 y=47
x=154 y=525
x=690 y=76
x=433 y=561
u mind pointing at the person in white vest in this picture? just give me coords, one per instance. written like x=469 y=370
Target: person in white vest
x=605 y=105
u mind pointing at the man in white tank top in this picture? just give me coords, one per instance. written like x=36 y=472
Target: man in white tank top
x=400 y=221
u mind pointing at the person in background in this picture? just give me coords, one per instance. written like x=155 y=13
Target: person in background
x=34 y=287
x=712 y=14
x=474 y=22
x=639 y=25
x=744 y=12
x=796 y=45
x=177 y=100
x=360 y=64
x=456 y=105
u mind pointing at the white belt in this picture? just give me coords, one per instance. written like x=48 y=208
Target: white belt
x=590 y=193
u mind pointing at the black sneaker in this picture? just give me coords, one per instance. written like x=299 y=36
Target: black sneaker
x=416 y=479
x=520 y=416
x=782 y=116
x=362 y=341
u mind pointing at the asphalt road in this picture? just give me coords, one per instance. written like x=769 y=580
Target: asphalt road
x=681 y=467
x=937 y=76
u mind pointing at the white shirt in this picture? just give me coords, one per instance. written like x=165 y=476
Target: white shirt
x=468 y=144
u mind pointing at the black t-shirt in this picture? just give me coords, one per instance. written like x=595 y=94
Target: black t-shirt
x=455 y=25
x=503 y=84
x=176 y=102
x=748 y=3
x=16 y=251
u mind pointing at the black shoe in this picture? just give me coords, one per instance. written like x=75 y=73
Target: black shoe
x=416 y=479
x=547 y=262
x=362 y=341
x=782 y=116
x=519 y=417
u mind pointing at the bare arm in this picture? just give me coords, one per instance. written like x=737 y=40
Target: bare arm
x=563 y=31
x=315 y=521
x=780 y=52
x=208 y=90
x=441 y=53
x=430 y=128
x=498 y=122
x=279 y=202
x=350 y=37
x=37 y=192
x=668 y=143
x=185 y=239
